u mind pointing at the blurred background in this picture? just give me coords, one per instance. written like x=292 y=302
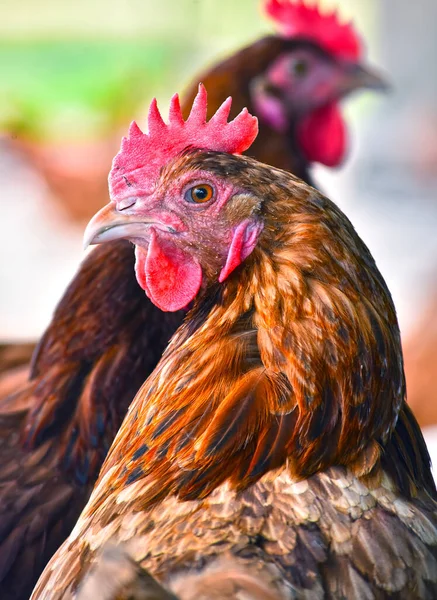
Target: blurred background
x=75 y=74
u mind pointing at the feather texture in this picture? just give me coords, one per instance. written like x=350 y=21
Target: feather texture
x=274 y=431
x=55 y=431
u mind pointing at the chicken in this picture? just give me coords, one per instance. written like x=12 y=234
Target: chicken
x=106 y=336
x=273 y=437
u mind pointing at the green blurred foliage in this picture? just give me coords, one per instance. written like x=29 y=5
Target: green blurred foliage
x=79 y=89
x=78 y=70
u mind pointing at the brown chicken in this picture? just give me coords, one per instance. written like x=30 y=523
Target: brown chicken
x=106 y=336
x=272 y=444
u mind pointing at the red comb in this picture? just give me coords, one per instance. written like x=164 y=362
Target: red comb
x=297 y=19
x=150 y=151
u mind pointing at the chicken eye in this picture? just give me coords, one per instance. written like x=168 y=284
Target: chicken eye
x=199 y=193
x=300 y=67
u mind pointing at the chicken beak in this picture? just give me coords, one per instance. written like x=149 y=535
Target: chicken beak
x=110 y=224
x=355 y=77
x=103 y=226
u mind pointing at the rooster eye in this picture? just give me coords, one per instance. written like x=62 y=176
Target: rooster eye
x=199 y=193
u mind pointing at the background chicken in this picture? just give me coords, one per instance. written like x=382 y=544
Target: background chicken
x=274 y=432
x=106 y=337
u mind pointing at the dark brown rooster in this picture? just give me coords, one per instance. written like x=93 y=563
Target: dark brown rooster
x=272 y=445
x=106 y=336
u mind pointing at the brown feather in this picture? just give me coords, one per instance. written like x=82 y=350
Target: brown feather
x=274 y=430
x=55 y=431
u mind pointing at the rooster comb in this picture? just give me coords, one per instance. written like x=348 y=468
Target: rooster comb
x=150 y=151
x=295 y=18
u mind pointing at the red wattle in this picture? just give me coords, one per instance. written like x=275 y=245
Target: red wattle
x=322 y=136
x=170 y=277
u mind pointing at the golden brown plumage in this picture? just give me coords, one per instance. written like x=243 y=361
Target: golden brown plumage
x=274 y=432
x=104 y=340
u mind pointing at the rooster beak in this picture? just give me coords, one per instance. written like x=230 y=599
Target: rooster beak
x=358 y=77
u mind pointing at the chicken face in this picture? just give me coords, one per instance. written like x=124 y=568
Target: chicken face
x=189 y=224
x=307 y=78
x=195 y=226
x=301 y=89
